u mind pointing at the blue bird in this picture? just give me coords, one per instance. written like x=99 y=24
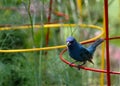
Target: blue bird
x=79 y=53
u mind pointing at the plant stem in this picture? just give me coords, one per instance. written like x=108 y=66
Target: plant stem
x=36 y=58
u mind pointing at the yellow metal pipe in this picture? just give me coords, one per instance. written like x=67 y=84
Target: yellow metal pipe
x=50 y=26
x=79 y=6
x=103 y=54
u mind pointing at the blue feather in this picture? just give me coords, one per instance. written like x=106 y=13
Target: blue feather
x=78 y=52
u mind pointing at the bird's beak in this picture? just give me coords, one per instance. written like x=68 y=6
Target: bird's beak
x=68 y=43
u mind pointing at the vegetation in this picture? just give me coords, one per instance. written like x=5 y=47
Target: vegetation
x=44 y=68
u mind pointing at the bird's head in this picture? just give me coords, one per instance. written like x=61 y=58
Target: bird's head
x=70 y=41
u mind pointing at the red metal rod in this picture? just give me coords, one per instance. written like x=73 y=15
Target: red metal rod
x=111 y=38
x=85 y=68
x=49 y=18
x=107 y=41
x=60 y=14
x=48 y=30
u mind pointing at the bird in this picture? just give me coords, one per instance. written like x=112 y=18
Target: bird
x=79 y=53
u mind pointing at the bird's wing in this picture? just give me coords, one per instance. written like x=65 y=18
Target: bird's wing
x=86 y=55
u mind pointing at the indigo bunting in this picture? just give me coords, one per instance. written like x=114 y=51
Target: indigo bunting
x=79 y=53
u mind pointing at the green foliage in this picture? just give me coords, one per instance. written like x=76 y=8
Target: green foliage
x=11 y=39
x=38 y=68
x=14 y=68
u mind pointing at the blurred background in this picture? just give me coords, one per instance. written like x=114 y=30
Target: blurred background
x=44 y=68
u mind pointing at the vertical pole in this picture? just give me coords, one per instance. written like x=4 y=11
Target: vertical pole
x=49 y=18
x=102 y=64
x=79 y=7
x=107 y=42
x=103 y=52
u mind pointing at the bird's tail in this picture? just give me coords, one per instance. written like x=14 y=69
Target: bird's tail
x=97 y=42
x=90 y=60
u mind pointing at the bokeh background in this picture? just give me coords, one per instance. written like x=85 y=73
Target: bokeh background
x=44 y=68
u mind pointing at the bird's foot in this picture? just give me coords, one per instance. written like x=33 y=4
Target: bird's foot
x=70 y=64
x=78 y=66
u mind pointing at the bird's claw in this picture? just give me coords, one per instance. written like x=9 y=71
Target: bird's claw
x=70 y=64
x=78 y=66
